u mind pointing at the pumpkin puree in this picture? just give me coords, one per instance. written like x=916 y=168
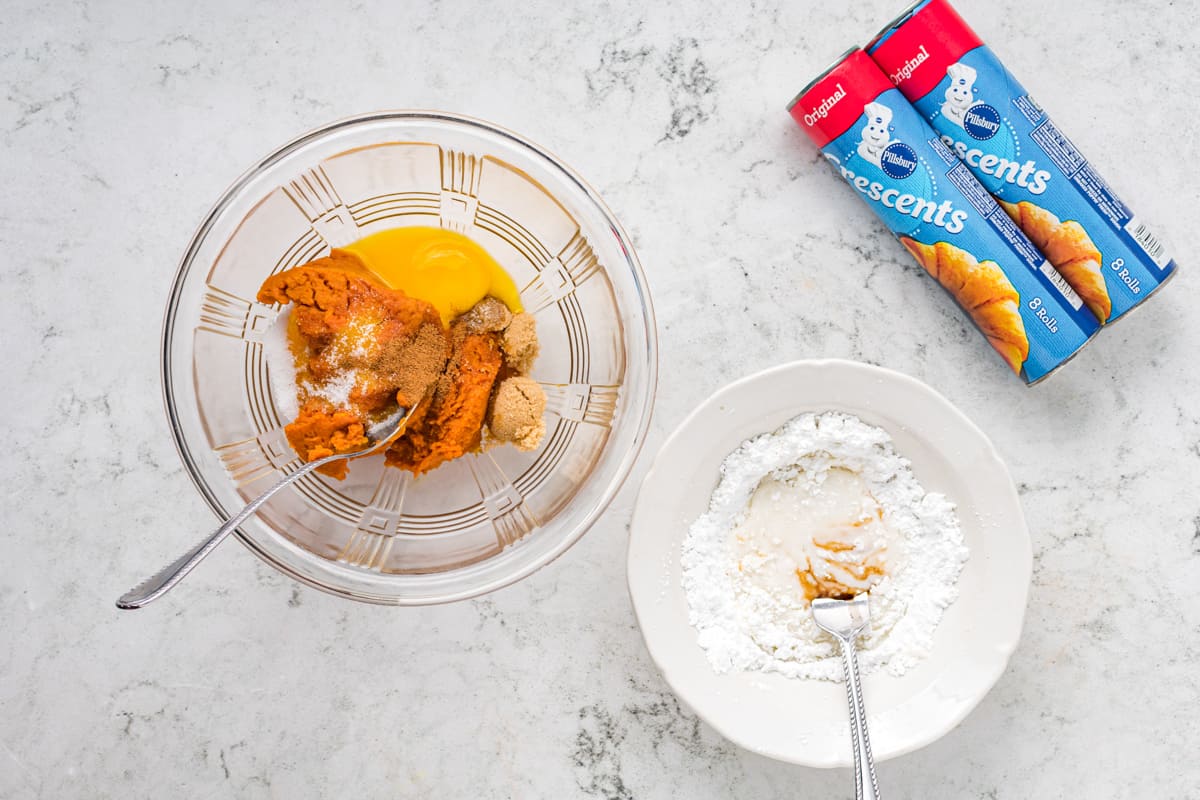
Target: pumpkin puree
x=361 y=349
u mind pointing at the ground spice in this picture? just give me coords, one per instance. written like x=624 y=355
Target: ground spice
x=412 y=366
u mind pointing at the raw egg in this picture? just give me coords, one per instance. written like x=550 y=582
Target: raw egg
x=441 y=267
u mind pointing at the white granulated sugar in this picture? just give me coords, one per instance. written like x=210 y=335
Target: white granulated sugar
x=745 y=624
x=351 y=344
x=335 y=389
x=281 y=367
x=362 y=338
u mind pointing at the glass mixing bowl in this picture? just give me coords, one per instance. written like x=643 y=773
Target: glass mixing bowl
x=487 y=519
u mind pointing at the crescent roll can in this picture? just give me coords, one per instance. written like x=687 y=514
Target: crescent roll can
x=1108 y=255
x=884 y=149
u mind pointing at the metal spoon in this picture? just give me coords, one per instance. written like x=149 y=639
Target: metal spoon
x=158 y=584
x=846 y=619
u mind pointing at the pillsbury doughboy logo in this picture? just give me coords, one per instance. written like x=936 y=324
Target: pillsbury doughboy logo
x=979 y=120
x=895 y=158
x=960 y=94
x=876 y=134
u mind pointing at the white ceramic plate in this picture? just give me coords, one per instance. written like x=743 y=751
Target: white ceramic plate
x=804 y=722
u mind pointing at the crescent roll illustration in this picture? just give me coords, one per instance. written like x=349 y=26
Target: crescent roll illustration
x=983 y=291
x=1069 y=249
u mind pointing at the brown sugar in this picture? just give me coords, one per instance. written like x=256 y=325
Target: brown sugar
x=520 y=343
x=489 y=315
x=516 y=412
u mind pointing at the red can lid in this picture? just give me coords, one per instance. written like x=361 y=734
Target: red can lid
x=916 y=52
x=831 y=104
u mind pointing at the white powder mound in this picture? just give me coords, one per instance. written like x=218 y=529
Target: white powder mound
x=743 y=625
x=281 y=367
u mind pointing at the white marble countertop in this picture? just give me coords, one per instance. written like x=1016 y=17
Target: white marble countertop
x=120 y=123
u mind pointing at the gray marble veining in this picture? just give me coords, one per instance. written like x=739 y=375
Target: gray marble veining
x=121 y=122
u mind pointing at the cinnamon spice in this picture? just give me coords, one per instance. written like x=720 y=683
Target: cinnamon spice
x=411 y=366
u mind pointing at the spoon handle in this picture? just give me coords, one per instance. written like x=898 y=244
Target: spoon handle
x=165 y=579
x=865 y=785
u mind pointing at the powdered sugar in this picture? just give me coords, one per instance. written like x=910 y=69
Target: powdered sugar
x=747 y=623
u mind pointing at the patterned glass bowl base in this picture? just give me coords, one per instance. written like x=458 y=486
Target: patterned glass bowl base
x=480 y=522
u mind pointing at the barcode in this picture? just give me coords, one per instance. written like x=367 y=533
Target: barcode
x=1061 y=284
x=1153 y=246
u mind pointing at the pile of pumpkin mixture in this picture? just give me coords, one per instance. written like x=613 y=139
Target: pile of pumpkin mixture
x=359 y=348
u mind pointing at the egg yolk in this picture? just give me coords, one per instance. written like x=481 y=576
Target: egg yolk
x=443 y=268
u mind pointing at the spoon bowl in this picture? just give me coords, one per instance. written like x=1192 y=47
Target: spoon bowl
x=845 y=619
